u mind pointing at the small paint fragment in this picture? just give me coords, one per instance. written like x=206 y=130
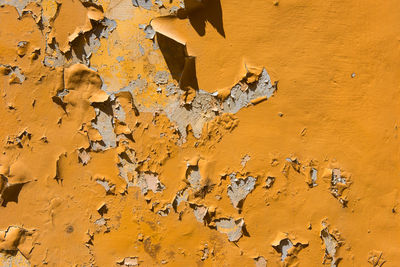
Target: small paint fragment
x=14 y=73
x=20 y=140
x=140 y=237
x=22 y=48
x=83 y=156
x=206 y=252
x=269 y=182
x=165 y=211
x=244 y=160
x=375 y=258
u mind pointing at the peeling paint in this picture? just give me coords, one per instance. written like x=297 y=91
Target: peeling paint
x=239 y=189
x=152 y=133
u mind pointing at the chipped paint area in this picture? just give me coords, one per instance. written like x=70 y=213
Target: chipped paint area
x=199 y=133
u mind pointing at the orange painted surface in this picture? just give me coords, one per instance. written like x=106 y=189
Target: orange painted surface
x=201 y=133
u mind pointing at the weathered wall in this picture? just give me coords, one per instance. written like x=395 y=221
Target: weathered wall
x=199 y=133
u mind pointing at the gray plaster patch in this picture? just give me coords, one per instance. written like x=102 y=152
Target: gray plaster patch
x=161 y=77
x=120 y=10
x=129 y=261
x=107 y=185
x=83 y=156
x=141 y=49
x=239 y=189
x=148 y=30
x=194 y=177
x=231 y=227
x=206 y=106
x=313 y=174
x=100 y=222
x=199 y=211
x=181 y=196
x=82 y=50
x=149 y=181
x=104 y=184
x=171 y=89
x=165 y=211
x=173 y=10
x=62 y=93
x=118 y=111
x=104 y=124
x=127 y=164
x=18 y=4
x=200 y=112
x=337 y=178
x=159 y=3
x=239 y=98
x=146 y=4
x=285 y=245
x=331 y=246
x=137 y=85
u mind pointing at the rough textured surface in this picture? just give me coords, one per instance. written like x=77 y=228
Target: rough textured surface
x=199 y=133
